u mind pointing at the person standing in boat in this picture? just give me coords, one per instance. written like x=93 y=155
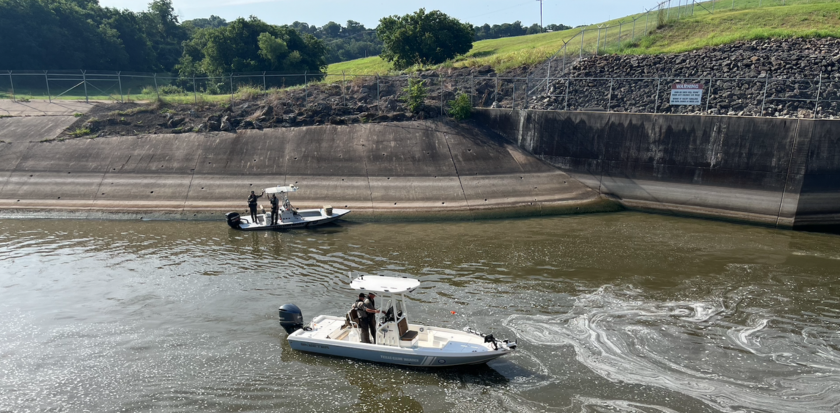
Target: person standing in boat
x=370 y=308
x=275 y=206
x=252 y=205
x=367 y=317
x=359 y=307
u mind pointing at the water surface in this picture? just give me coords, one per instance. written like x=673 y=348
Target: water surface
x=619 y=312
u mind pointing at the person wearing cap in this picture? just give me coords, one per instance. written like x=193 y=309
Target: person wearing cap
x=359 y=307
x=368 y=322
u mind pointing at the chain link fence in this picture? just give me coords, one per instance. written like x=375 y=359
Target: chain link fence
x=548 y=86
x=761 y=96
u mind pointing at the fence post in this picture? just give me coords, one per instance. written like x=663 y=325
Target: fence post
x=609 y=97
x=713 y=6
x=582 y=31
x=472 y=87
x=656 y=104
x=619 y=34
x=47 y=80
x=84 y=81
x=568 y=85
x=817 y=101
x=709 y=95
x=564 y=57
x=496 y=92
x=265 y=88
x=647 y=18
x=764 y=96
x=13 y=86
x=513 y=104
x=119 y=81
x=598 y=42
x=606 y=36
x=156 y=87
x=440 y=82
x=527 y=90
x=195 y=91
x=733 y=4
x=633 y=35
x=548 y=77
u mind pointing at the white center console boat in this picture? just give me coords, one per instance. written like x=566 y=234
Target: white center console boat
x=397 y=340
x=288 y=217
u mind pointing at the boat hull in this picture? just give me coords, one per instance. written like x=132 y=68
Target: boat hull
x=393 y=355
x=306 y=222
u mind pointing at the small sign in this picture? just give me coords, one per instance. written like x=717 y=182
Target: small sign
x=686 y=93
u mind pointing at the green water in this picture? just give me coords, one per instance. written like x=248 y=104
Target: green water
x=618 y=312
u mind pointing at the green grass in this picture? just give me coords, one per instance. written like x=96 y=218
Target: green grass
x=814 y=20
x=79 y=132
x=744 y=21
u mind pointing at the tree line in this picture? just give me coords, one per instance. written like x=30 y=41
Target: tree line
x=74 y=34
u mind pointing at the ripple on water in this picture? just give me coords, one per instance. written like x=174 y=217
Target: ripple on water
x=687 y=347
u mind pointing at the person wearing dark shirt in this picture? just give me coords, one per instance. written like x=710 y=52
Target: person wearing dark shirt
x=275 y=207
x=370 y=309
x=359 y=307
x=252 y=205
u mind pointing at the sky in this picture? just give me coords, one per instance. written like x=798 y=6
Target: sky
x=368 y=12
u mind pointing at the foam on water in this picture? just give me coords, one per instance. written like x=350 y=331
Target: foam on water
x=700 y=349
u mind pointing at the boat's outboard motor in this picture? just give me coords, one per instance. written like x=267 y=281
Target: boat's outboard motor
x=233 y=219
x=291 y=318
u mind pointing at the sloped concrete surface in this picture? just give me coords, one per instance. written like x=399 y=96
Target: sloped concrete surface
x=378 y=170
x=43 y=108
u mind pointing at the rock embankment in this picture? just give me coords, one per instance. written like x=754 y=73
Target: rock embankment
x=789 y=78
x=361 y=100
x=793 y=78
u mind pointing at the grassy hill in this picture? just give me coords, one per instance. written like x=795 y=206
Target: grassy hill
x=730 y=21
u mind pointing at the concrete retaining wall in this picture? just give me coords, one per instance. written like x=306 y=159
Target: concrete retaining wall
x=377 y=170
x=782 y=172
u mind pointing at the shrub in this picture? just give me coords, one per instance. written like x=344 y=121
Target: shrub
x=247 y=92
x=461 y=108
x=171 y=90
x=415 y=95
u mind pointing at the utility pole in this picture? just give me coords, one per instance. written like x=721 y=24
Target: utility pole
x=541 y=16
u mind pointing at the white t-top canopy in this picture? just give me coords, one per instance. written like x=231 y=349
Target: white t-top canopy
x=279 y=189
x=384 y=284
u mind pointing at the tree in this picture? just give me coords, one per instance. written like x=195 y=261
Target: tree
x=423 y=38
x=331 y=29
x=160 y=23
x=251 y=46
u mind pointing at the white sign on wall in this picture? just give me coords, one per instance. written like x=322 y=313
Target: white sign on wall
x=686 y=93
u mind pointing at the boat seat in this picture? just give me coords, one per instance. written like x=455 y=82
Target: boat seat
x=352 y=319
x=405 y=333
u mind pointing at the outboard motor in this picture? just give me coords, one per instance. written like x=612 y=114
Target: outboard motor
x=291 y=318
x=233 y=219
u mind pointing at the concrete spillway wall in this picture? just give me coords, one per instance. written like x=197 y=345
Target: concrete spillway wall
x=782 y=172
x=377 y=170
